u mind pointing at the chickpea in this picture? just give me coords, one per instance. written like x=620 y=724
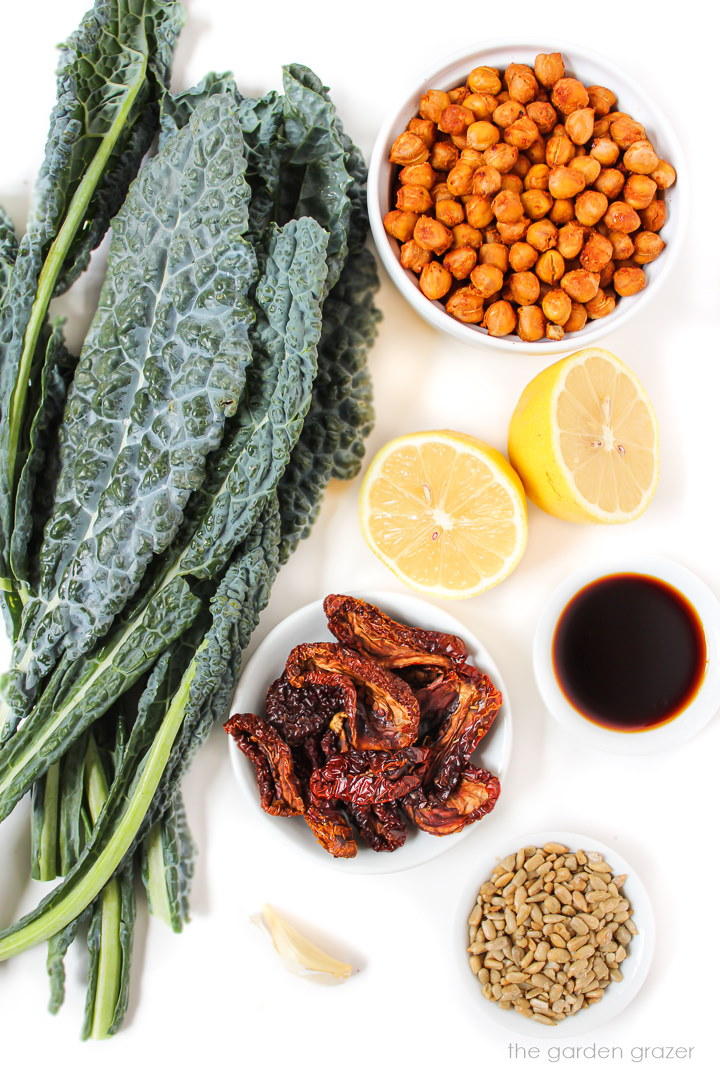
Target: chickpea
x=578 y=318
x=648 y=246
x=491 y=235
x=602 y=304
x=495 y=254
x=482 y=134
x=507 y=113
x=400 y=224
x=413 y=257
x=482 y=106
x=435 y=280
x=654 y=216
x=524 y=287
x=602 y=100
x=596 y=252
x=639 y=191
x=486 y=180
x=641 y=158
x=629 y=280
x=549 y=68
x=487 y=279
x=521 y=133
x=562 y=212
x=621 y=218
x=588 y=166
x=536 y=153
x=601 y=128
x=570 y=240
x=460 y=261
x=522 y=256
x=663 y=175
x=450 y=212
x=521 y=82
x=501 y=156
x=542 y=235
x=554 y=332
x=590 y=206
x=625 y=131
x=423 y=174
x=511 y=231
x=460 y=178
x=500 y=319
x=408 y=149
x=484 y=80
x=458 y=95
x=580 y=285
x=536 y=204
x=606 y=274
x=466 y=236
x=556 y=306
x=530 y=322
x=559 y=150
x=579 y=125
x=521 y=167
x=543 y=115
x=478 y=211
x=432 y=235
x=466 y=304
x=414 y=198
x=474 y=157
x=536 y=178
x=432 y=104
x=444 y=156
x=610 y=182
x=440 y=192
x=550 y=266
x=569 y=95
x=605 y=151
x=622 y=245
x=513 y=183
x=565 y=183
x=424 y=129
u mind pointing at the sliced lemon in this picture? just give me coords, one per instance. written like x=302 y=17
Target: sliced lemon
x=584 y=440
x=446 y=512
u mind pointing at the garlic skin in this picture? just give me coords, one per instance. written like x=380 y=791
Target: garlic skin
x=299 y=955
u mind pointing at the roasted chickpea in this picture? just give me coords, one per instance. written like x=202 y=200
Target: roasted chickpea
x=460 y=178
x=602 y=304
x=522 y=256
x=550 y=266
x=565 y=182
x=414 y=198
x=559 y=150
x=507 y=206
x=602 y=100
x=530 y=323
x=580 y=285
x=621 y=218
x=579 y=125
x=578 y=318
x=460 y=261
x=536 y=153
x=513 y=183
x=507 y=113
x=491 y=235
x=639 y=191
x=482 y=134
x=501 y=156
x=648 y=246
x=413 y=257
x=400 y=224
x=466 y=236
x=521 y=167
x=569 y=95
x=556 y=306
x=408 y=149
x=622 y=245
x=542 y=235
x=487 y=279
x=625 y=131
x=663 y=175
x=562 y=212
x=606 y=274
x=435 y=280
x=456 y=119
x=486 y=180
x=524 y=287
x=495 y=254
x=549 y=68
x=596 y=252
x=478 y=211
x=500 y=319
x=466 y=304
x=432 y=104
x=458 y=95
x=440 y=192
x=424 y=129
x=536 y=178
x=571 y=238
x=629 y=280
x=605 y=151
x=450 y=212
x=536 y=203
x=588 y=166
x=482 y=106
x=424 y=175
x=512 y=231
x=444 y=156
x=640 y=157
x=484 y=80
x=521 y=133
x=601 y=128
x=474 y=157
x=590 y=206
x=432 y=235
x=654 y=216
x=521 y=82
x=543 y=115
x=610 y=182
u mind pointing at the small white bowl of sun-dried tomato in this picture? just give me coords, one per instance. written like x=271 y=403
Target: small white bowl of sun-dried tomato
x=526 y=197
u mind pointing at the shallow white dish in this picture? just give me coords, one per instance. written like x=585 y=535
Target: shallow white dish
x=700 y=709
x=266 y=664
x=635 y=966
x=592 y=69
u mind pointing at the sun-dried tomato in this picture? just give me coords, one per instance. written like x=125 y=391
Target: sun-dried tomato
x=381 y=826
x=367 y=777
x=332 y=829
x=279 y=787
x=473 y=796
x=300 y=711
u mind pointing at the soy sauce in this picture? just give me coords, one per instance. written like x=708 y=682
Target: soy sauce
x=629 y=652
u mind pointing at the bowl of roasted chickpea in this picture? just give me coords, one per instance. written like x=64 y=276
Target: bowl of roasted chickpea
x=526 y=197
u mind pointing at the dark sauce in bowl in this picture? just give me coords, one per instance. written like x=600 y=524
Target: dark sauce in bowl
x=629 y=652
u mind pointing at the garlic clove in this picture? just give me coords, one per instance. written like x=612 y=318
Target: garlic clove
x=301 y=956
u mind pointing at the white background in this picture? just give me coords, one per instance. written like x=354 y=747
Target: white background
x=214 y=998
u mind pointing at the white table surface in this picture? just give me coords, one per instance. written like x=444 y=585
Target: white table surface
x=215 y=998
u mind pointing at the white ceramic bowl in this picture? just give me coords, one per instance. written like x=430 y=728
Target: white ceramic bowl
x=700 y=709
x=591 y=69
x=634 y=967
x=266 y=664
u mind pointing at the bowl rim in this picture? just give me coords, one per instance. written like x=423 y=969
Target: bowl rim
x=700 y=709
x=433 y=311
x=635 y=968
